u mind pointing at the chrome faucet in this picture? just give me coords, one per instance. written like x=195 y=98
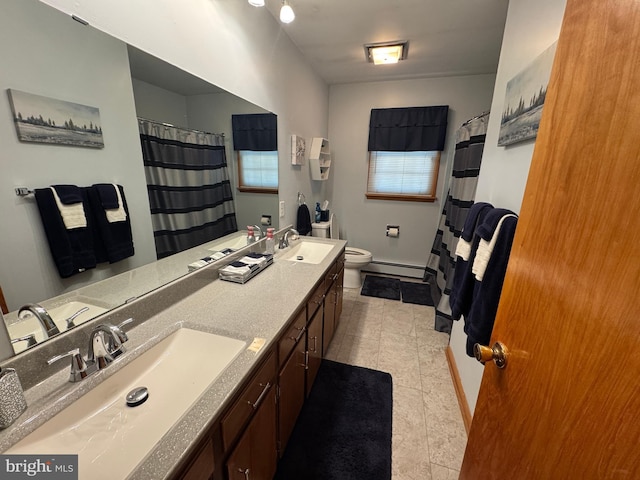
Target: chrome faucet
x=258 y=229
x=284 y=239
x=30 y=339
x=50 y=328
x=105 y=345
x=70 y=320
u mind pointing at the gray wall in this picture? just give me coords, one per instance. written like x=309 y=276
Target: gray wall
x=209 y=113
x=530 y=29
x=241 y=49
x=213 y=113
x=362 y=221
x=60 y=58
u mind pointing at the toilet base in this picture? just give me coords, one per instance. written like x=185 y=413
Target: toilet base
x=352 y=278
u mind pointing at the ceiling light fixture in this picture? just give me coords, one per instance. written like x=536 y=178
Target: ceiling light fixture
x=286 y=13
x=256 y=3
x=387 y=52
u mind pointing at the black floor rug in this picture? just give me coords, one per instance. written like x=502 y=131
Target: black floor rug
x=418 y=293
x=344 y=429
x=381 y=287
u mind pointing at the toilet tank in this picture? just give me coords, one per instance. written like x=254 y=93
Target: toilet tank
x=320 y=229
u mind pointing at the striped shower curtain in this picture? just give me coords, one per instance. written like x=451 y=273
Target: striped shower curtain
x=460 y=197
x=188 y=184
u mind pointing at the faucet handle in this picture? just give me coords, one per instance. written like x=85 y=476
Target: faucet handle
x=78 y=365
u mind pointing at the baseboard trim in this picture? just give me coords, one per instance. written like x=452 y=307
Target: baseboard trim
x=398 y=269
x=457 y=384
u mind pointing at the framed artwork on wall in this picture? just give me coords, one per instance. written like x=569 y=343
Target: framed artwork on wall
x=48 y=120
x=298 y=147
x=524 y=100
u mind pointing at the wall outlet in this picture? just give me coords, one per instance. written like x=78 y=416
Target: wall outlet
x=282 y=209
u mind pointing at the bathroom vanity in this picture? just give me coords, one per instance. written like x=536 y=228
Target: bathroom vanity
x=238 y=426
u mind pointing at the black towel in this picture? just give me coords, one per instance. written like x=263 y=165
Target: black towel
x=68 y=194
x=463 y=280
x=113 y=241
x=108 y=196
x=304 y=220
x=72 y=250
x=486 y=294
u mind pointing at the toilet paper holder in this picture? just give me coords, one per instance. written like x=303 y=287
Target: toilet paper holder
x=393 y=230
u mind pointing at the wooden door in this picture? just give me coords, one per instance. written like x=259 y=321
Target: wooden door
x=292 y=393
x=314 y=347
x=329 y=317
x=255 y=456
x=567 y=404
x=339 y=295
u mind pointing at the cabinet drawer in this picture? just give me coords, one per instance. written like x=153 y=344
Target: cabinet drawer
x=248 y=402
x=292 y=336
x=316 y=299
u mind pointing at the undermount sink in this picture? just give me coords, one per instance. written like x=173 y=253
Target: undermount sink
x=307 y=252
x=111 y=438
x=30 y=324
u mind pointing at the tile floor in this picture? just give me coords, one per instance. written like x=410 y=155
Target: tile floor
x=428 y=432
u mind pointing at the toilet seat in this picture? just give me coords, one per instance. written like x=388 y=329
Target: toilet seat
x=357 y=256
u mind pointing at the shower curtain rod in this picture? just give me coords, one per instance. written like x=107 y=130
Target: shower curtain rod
x=483 y=114
x=193 y=130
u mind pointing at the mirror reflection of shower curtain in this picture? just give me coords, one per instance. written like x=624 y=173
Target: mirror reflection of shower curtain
x=460 y=197
x=188 y=184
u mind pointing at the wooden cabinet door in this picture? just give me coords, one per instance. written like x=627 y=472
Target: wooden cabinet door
x=291 y=392
x=329 y=317
x=339 y=286
x=314 y=347
x=255 y=456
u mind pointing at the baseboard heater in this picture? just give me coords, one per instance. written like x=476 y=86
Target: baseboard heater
x=392 y=268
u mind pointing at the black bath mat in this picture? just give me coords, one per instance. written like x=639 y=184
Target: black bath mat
x=344 y=428
x=381 y=287
x=418 y=293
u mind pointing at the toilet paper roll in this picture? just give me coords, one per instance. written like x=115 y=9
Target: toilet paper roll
x=393 y=232
x=265 y=220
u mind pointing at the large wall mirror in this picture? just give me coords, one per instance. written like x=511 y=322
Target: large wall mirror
x=45 y=52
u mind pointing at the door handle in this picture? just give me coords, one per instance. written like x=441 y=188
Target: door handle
x=497 y=353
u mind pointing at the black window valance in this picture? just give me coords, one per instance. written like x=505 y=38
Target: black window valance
x=257 y=132
x=408 y=129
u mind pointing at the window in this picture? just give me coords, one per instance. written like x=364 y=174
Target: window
x=258 y=171
x=409 y=176
x=404 y=152
x=255 y=138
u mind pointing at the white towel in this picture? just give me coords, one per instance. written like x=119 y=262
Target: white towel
x=463 y=249
x=484 y=251
x=116 y=214
x=254 y=261
x=73 y=214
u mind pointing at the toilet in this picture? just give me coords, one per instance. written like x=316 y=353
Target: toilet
x=355 y=259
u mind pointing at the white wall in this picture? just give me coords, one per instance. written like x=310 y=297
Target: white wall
x=530 y=28
x=363 y=222
x=44 y=53
x=235 y=46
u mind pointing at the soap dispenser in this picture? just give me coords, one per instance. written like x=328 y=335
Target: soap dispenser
x=12 y=401
x=250 y=236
